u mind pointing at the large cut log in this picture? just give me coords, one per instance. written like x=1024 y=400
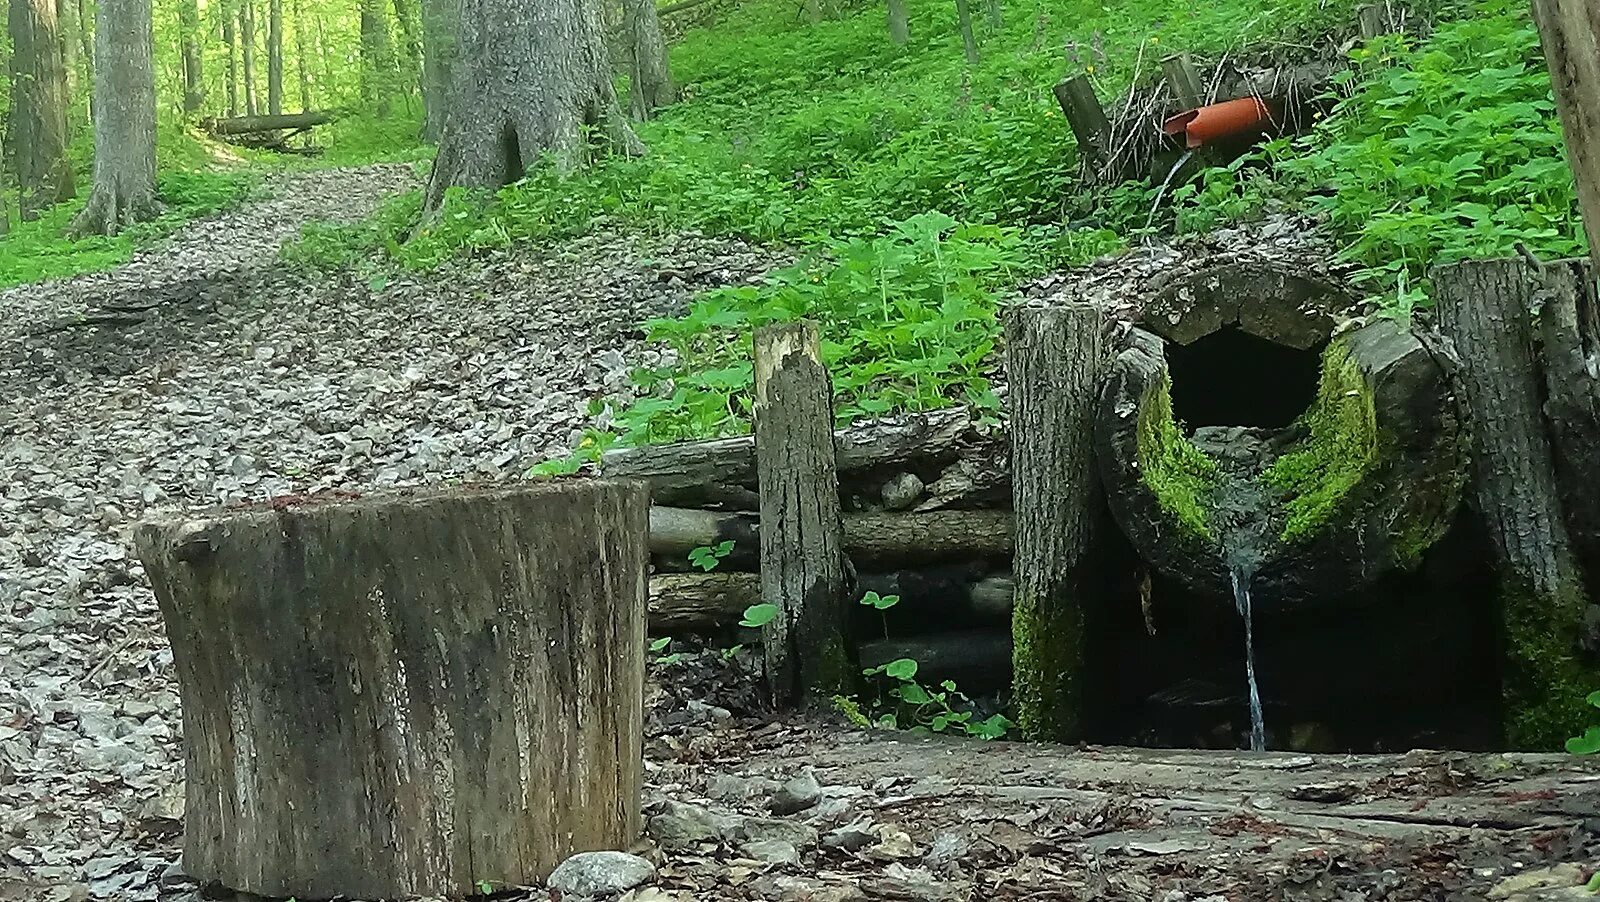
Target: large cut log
x=1055 y=360
x=1483 y=310
x=1265 y=299
x=1569 y=326
x=871 y=540
x=1368 y=480
x=406 y=695
x=804 y=572
x=245 y=125
x=723 y=472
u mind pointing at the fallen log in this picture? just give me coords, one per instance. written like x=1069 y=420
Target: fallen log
x=245 y=125
x=362 y=682
x=871 y=540
x=977 y=661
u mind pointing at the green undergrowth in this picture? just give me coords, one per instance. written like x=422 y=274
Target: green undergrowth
x=1341 y=447
x=1179 y=475
x=197 y=178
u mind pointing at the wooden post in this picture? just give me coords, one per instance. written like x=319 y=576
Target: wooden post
x=803 y=567
x=404 y=695
x=1087 y=118
x=1483 y=309
x=1569 y=328
x=1570 y=33
x=1179 y=71
x=1055 y=361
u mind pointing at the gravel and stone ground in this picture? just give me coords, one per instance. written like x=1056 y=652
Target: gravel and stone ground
x=204 y=372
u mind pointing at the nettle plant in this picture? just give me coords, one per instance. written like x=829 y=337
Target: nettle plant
x=1589 y=742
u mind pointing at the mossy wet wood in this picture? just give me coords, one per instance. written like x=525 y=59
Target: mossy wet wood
x=1056 y=358
x=407 y=694
x=1484 y=309
x=1569 y=332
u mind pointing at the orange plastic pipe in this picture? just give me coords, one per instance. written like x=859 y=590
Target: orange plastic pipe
x=1219 y=120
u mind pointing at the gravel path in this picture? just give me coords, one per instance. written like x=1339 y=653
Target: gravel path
x=202 y=373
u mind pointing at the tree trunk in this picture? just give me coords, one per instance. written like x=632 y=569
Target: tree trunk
x=1569 y=328
x=194 y=91
x=274 y=57
x=366 y=722
x=5 y=205
x=69 y=26
x=1483 y=310
x=302 y=54
x=814 y=11
x=1570 y=33
x=229 y=37
x=899 y=23
x=996 y=16
x=124 y=189
x=247 y=44
x=969 y=40
x=377 y=56
x=38 y=107
x=438 y=64
x=532 y=77
x=410 y=43
x=649 y=73
x=325 y=54
x=85 y=46
x=1055 y=359
x=244 y=125
x=803 y=567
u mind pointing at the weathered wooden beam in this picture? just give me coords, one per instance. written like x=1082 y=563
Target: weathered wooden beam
x=1184 y=80
x=1483 y=308
x=1087 y=118
x=871 y=540
x=1056 y=359
x=804 y=571
x=361 y=680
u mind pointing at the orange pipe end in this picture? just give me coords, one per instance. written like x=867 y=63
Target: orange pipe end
x=1219 y=120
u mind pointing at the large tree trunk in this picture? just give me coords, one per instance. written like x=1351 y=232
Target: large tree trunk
x=530 y=78
x=1483 y=310
x=899 y=22
x=38 y=107
x=194 y=91
x=649 y=72
x=302 y=53
x=230 y=38
x=1570 y=32
x=124 y=120
x=377 y=56
x=247 y=43
x=438 y=63
x=274 y=57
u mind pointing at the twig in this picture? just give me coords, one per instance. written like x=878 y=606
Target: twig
x=106 y=661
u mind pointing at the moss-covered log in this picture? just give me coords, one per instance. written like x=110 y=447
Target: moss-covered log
x=1367 y=479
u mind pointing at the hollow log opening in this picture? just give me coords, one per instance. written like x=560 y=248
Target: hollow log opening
x=1233 y=378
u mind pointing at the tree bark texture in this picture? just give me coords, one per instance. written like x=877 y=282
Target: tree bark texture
x=1570 y=33
x=1056 y=359
x=438 y=63
x=247 y=46
x=1483 y=310
x=405 y=21
x=302 y=53
x=899 y=23
x=530 y=78
x=5 y=206
x=650 y=84
x=38 y=131
x=969 y=39
x=1569 y=328
x=377 y=56
x=194 y=81
x=68 y=26
x=403 y=696
x=274 y=57
x=230 y=38
x=124 y=190
x=803 y=567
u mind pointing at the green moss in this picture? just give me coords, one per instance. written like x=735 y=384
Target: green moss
x=1546 y=680
x=1342 y=447
x=1048 y=664
x=830 y=671
x=1175 y=471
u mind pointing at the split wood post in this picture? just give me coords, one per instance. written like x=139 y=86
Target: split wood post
x=1483 y=308
x=1569 y=329
x=1056 y=359
x=1570 y=33
x=803 y=566
x=1087 y=118
x=1181 y=76
x=404 y=695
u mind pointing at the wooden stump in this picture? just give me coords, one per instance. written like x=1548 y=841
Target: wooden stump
x=1055 y=361
x=1569 y=329
x=803 y=567
x=1484 y=309
x=407 y=694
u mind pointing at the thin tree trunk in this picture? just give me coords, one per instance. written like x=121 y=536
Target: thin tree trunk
x=68 y=15
x=247 y=43
x=124 y=120
x=302 y=54
x=969 y=40
x=326 y=55
x=649 y=75
x=899 y=22
x=85 y=46
x=438 y=64
x=1570 y=32
x=194 y=92
x=533 y=78
x=38 y=107
x=229 y=37
x=997 y=19
x=410 y=43
x=5 y=206
x=274 y=57
x=377 y=56
x=814 y=11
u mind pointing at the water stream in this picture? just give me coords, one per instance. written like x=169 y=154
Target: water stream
x=1241 y=600
x=1166 y=183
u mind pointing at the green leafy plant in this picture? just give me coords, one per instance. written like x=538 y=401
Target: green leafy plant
x=759 y=615
x=708 y=558
x=658 y=647
x=904 y=703
x=1589 y=742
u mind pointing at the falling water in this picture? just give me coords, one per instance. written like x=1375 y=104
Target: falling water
x=1241 y=600
x=1165 y=184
